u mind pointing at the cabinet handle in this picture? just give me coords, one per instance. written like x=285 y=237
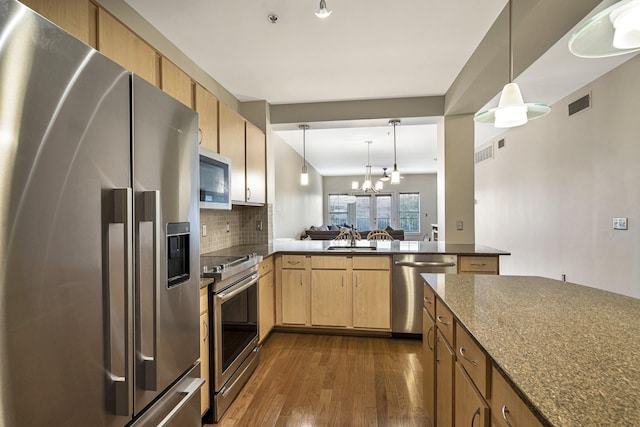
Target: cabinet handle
x=248 y=193
x=200 y=136
x=439 y=318
x=206 y=330
x=473 y=362
x=505 y=411
x=478 y=264
x=356 y=280
x=342 y=280
x=427 y=301
x=293 y=262
x=300 y=279
x=429 y=333
x=474 y=416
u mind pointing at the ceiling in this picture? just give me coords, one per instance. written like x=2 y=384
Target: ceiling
x=364 y=50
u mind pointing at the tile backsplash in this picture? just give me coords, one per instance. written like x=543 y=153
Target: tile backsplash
x=238 y=226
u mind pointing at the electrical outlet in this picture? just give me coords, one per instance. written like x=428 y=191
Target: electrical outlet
x=459 y=225
x=228 y=228
x=204 y=230
x=259 y=225
x=620 y=223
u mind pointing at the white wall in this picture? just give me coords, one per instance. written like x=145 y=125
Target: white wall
x=550 y=194
x=295 y=207
x=423 y=183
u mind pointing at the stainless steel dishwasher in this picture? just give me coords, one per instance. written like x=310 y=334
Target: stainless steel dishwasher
x=407 y=292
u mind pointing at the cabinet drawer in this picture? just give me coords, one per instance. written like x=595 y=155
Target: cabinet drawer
x=506 y=406
x=371 y=263
x=473 y=359
x=328 y=262
x=265 y=266
x=429 y=300
x=204 y=300
x=478 y=264
x=294 y=262
x=444 y=321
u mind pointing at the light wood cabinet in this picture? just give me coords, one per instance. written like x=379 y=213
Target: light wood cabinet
x=256 y=164
x=429 y=364
x=445 y=363
x=328 y=297
x=176 y=82
x=372 y=299
x=371 y=292
x=266 y=298
x=127 y=49
x=294 y=298
x=507 y=408
x=77 y=17
x=204 y=350
x=478 y=264
x=473 y=359
x=206 y=104
x=231 y=135
x=470 y=407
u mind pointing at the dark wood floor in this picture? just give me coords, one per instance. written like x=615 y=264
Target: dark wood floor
x=321 y=380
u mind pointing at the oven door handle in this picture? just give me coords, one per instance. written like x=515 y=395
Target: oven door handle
x=224 y=296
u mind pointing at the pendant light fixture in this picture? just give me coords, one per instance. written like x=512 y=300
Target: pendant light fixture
x=368 y=186
x=395 y=173
x=304 y=175
x=614 y=31
x=511 y=110
x=323 y=12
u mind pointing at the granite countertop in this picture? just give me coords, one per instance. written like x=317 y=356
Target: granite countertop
x=382 y=248
x=572 y=350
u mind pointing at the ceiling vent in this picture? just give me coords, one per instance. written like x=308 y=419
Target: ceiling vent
x=484 y=153
x=580 y=104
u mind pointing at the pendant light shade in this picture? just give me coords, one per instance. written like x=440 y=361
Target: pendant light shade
x=304 y=175
x=614 y=31
x=511 y=110
x=323 y=12
x=395 y=173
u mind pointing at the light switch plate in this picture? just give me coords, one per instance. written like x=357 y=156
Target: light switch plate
x=620 y=223
x=459 y=225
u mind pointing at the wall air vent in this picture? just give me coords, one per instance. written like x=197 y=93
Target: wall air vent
x=501 y=143
x=580 y=104
x=484 y=153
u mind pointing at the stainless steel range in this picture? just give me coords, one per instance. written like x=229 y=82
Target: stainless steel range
x=233 y=314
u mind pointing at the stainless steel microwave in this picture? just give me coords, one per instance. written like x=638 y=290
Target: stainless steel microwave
x=215 y=180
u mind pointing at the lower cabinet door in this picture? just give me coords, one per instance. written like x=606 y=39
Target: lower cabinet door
x=445 y=361
x=470 y=407
x=429 y=361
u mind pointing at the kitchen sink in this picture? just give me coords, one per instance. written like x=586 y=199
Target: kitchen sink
x=352 y=248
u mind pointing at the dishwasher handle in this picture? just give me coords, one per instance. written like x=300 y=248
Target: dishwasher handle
x=424 y=264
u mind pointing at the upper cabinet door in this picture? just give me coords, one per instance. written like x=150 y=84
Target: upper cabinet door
x=231 y=142
x=176 y=82
x=77 y=17
x=256 y=165
x=127 y=49
x=206 y=104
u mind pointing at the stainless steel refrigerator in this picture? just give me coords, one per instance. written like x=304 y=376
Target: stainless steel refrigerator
x=99 y=249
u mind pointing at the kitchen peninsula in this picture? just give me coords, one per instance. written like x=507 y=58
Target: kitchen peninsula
x=568 y=353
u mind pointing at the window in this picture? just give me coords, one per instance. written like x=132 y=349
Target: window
x=338 y=214
x=383 y=211
x=363 y=212
x=409 y=212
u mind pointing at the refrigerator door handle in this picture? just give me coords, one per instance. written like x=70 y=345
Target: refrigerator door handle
x=119 y=283
x=189 y=390
x=149 y=235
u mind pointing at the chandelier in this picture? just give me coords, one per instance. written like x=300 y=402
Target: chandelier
x=368 y=186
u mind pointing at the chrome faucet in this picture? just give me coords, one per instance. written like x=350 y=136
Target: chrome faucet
x=352 y=234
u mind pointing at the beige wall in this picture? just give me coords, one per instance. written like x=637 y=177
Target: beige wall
x=423 y=183
x=550 y=194
x=295 y=207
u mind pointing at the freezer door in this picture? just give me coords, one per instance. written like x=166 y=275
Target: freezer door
x=166 y=224
x=65 y=231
